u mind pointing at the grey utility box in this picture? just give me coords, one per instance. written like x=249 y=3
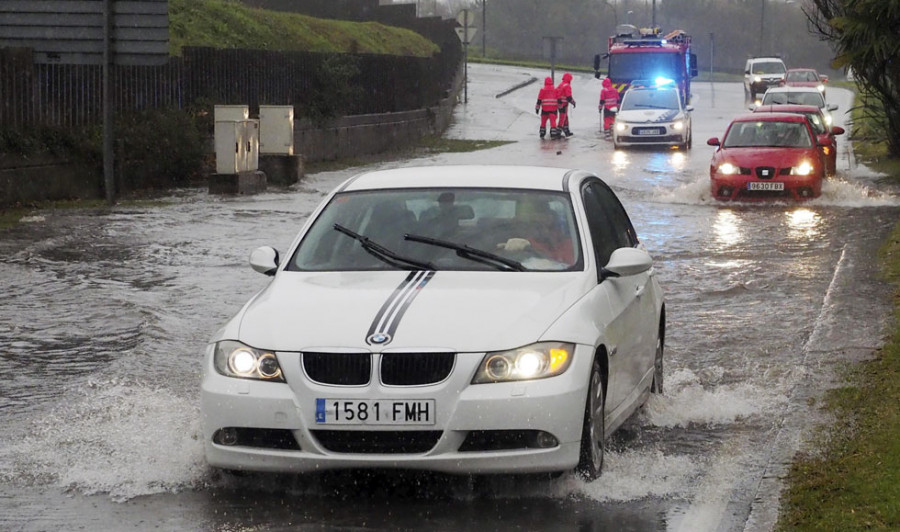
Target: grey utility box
x=276 y=129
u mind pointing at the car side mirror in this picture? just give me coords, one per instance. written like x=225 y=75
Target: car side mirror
x=831 y=107
x=689 y=108
x=751 y=107
x=713 y=141
x=626 y=261
x=837 y=130
x=264 y=260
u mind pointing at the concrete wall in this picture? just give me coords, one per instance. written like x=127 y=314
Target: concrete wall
x=369 y=134
x=25 y=180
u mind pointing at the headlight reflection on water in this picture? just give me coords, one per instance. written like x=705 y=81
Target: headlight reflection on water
x=727 y=229
x=620 y=160
x=803 y=224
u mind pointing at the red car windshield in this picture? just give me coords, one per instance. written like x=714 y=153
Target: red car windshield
x=801 y=75
x=768 y=133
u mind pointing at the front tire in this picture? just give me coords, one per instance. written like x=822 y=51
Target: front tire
x=593 y=446
x=657 y=385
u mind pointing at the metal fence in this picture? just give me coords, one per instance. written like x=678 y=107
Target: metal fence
x=33 y=95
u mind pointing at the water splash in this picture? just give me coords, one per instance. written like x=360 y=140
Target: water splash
x=697 y=399
x=119 y=438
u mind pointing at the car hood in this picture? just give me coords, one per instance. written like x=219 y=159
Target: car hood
x=649 y=116
x=764 y=156
x=460 y=311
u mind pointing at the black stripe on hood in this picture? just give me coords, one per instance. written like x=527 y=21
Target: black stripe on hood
x=385 y=324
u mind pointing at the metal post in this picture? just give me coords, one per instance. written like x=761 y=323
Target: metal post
x=762 y=25
x=483 y=28
x=466 y=55
x=109 y=181
x=711 y=48
x=553 y=41
x=653 y=21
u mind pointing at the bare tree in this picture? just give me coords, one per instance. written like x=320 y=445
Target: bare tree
x=864 y=36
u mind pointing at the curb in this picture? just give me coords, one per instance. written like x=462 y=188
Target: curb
x=515 y=87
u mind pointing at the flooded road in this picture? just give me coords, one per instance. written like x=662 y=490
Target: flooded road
x=104 y=317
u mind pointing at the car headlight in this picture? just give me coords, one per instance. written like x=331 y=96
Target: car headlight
x=234 y=359
x=728 y=169
x=820 y=88
x=535 y=361
x=757 y=79
x=678 y=125
x=803 y=168
x=621 y=126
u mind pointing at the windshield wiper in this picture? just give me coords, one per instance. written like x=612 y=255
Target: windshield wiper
x=384 y=254
x=470 y=253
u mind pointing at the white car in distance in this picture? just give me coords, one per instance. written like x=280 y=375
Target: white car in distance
x=652 y=116
x=799 y=96
x=462 y=319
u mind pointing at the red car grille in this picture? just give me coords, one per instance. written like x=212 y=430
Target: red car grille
x=765 y=172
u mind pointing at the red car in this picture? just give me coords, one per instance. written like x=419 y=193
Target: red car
x=804 y=77
x=767 y=156
x=825 y=136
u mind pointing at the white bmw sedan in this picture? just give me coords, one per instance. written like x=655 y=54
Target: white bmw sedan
x=463 y=319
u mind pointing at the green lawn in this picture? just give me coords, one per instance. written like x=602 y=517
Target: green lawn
x=853 y=481
x=231 y=24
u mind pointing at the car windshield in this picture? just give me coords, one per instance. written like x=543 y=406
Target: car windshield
x=801 y=75
x=815 y=120
x=768 y=67
x=628 y=66
x=442 y=229
x=794 y=98
x=650 y=99
x=768 y=133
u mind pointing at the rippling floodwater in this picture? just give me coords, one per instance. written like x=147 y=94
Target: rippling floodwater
x=105 y=315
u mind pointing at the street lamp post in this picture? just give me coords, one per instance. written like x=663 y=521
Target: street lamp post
x=762 y=25
x=552 y=41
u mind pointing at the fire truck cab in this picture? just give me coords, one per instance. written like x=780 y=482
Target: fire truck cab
x=646 y=54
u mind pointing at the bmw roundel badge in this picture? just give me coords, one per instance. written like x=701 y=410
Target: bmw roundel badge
x=379 y=339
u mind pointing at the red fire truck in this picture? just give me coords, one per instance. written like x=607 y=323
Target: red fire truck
x=645 y=54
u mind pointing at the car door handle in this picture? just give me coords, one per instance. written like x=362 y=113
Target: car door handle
x=639 y=291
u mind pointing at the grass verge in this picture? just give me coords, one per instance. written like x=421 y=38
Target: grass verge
x=853 y=482
x=13 y=214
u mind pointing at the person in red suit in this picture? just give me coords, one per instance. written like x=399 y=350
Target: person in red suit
x=548 y=105
x=564 y=90
x=609 y=104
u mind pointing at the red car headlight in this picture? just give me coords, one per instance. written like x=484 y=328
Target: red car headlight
x=728 y=169
x=803 y=168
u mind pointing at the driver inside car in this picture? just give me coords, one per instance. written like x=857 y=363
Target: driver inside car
x=540 y=232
